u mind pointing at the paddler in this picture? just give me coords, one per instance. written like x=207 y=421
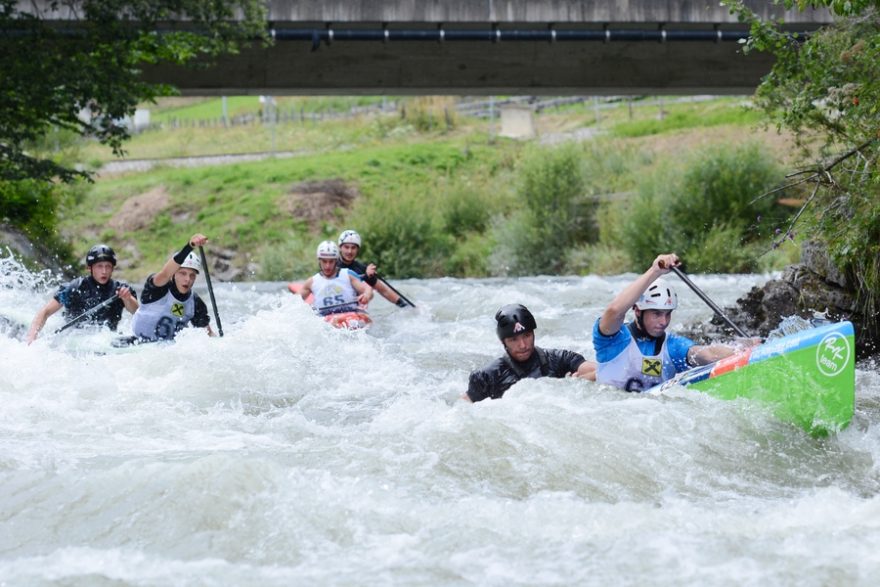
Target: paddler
x=336 y=289
x=638 y=355
x=515 y=326
x=168 y=303
x=87 y=292
x=349 y=246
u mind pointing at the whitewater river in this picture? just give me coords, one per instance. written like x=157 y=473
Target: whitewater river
x=287 y=454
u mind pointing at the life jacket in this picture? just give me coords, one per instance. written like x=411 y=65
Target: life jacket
x=334 y=294
x=163 y=318
x=634 y=371
x=84 y=293
x=543 y=365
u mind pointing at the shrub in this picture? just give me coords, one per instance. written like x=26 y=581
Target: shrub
x=596 y=259
x=291 y=259
x=703 y=212
x=32 y=207
x=551 y=184
x=721 y=186
x=402 y=234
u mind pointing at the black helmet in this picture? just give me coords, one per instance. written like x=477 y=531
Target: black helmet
x=100 y=253
x=513 y=319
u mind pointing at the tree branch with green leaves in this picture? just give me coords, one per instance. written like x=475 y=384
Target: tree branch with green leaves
x=76 y=65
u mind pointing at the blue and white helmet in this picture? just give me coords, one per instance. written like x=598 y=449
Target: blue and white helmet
x=349 y=236
x=658 y=296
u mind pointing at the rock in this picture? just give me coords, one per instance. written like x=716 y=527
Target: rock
x=815 y=257
x=31 y=253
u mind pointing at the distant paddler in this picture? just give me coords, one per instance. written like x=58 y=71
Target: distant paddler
x=336 y=290
x=96 y=299
x=638 y=355
x=349 y=247
x=168 y=303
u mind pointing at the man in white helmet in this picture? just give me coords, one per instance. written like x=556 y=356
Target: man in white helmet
x=641 y=354
x=349 y=246
x=168 y=302
x=336 y=289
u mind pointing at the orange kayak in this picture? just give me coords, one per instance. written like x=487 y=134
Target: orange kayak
x=349 y=320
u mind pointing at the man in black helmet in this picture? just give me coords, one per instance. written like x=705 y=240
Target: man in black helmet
x=515 y=327
x=84 y=293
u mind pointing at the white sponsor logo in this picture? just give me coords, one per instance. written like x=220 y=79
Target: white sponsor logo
x=518 y=327
x=832 y=354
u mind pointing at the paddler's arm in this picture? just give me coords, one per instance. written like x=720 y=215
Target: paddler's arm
x=306 y=290
x=365 y=291
x=128 y=299
x=705 y=354
x=587 y=370
x=614 y=315
x=171 y=266
x=40 y=319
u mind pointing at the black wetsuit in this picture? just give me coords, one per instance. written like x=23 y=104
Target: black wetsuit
x=359 y=269
x=497 y=377
x=84 y=293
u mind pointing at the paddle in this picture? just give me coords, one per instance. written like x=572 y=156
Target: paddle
x=334 y=306
x=210 y=290
x=709 y=302
x=391 y=287
x=89 y=312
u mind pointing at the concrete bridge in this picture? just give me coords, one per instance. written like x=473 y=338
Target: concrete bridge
x=493 y=47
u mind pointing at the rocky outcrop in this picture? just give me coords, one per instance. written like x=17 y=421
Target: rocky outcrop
x=32 y=254
x=810 y=289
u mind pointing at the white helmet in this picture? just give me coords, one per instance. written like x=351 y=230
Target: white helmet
x=658 y=296
x=350 y=236
x=192 y=261
x=328 y=250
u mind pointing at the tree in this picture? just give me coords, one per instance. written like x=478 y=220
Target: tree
x=59 y=58
x=826 y=89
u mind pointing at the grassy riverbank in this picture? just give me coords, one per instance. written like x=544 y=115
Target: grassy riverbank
x=433 y=192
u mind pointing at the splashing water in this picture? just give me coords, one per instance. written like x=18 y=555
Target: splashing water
x=287 y=453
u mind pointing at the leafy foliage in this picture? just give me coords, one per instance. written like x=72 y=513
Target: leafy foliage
x=705 y=211
x=552 y=184
x=53 y=74
x=829 y=86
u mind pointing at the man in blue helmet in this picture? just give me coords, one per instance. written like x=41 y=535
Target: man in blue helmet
x=641 y=354
x=349 y=246
x=515 y=327
x=84 y=293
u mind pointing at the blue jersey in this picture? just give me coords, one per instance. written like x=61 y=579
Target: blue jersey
x=608 y=347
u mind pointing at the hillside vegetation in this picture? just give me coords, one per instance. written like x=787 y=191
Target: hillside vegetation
x=436 y=193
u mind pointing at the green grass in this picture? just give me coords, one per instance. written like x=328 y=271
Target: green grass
x=237 y=205
x=680 y=116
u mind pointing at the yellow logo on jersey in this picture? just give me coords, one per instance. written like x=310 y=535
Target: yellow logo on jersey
x=177 y=310
x=651 y=367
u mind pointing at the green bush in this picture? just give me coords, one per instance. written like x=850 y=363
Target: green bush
x=721 y=186
x=471 y=256
x=596 y=259
x=706 y=210
x=552 y=186
x=402 y=234
x=721 y=250
x=465 y=209
x=33 y=207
